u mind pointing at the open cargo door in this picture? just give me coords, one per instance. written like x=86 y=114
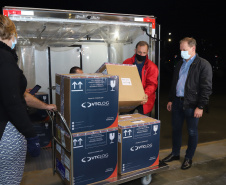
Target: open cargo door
x=48 y=41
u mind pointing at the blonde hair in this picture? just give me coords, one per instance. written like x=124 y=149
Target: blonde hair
x=7 y=28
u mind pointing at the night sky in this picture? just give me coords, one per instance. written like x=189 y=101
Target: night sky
x=202 y=19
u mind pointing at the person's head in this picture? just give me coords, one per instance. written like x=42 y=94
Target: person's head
x=8 y=32
x=141 y=50
x=76 y=69
x=188 y=48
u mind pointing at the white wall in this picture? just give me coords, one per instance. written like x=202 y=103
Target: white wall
x=93 y=56
x=129 y=49
x=63 y=58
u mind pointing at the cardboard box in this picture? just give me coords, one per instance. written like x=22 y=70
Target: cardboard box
x=94 y=157
x=130 y=117
x=88 y=101
x=131 y=92
x=63 y=163
x=138 y=144
x=63 y=137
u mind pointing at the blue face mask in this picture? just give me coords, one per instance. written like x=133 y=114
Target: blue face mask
x=14 y=43
x=185 y=55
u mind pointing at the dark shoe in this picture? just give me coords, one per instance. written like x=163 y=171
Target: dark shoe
x=170 y=158
x=186 y=164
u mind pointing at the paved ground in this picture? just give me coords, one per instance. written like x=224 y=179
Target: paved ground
x=208 y=167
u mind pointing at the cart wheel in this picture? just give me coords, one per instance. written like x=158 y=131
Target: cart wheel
x=146 y=179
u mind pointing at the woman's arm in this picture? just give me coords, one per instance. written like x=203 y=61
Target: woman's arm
x=34 y=102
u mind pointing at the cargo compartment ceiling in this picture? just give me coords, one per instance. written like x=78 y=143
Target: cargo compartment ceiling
x=62 y=34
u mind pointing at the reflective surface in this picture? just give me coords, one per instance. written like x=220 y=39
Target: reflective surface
x=46 y=27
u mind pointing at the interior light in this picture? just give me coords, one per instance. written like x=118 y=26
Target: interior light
x=116 y=35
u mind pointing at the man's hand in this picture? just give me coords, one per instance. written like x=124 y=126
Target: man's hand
x=145 y=99
x=198 y=113
x=169 y=106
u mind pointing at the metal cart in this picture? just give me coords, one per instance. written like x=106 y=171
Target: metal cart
x=145 y=175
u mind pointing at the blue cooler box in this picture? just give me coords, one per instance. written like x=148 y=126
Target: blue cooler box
x=94 y=157
x=88 y=101
x=138 y=143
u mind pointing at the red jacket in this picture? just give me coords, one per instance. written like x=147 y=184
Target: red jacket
x=149 y=81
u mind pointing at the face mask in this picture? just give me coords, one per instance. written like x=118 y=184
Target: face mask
x=140 y=58
x=185 y=55
x=14 y=43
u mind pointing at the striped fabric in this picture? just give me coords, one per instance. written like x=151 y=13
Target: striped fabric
x=13 y=148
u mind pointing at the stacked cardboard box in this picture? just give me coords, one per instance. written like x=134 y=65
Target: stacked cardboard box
x=88 y=101
x=138 y=143
x=94 y=157
x=89 y=104
x=131 y=92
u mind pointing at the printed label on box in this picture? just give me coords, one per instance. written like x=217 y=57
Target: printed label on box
x=67 y=162
x=126 y=81
x=143 y=131
x=96 y=85
x=67 y=174
x=124 y=117
x=96 y=140
x=62 y=138
x=105 y=72
x=77 y=85
x=119 y=138
x=127 y=133
x=58 y=89
x=58 y=148
x=60 y=168
x=137 y=121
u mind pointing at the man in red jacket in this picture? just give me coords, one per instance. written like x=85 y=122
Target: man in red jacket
x=149 y=76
